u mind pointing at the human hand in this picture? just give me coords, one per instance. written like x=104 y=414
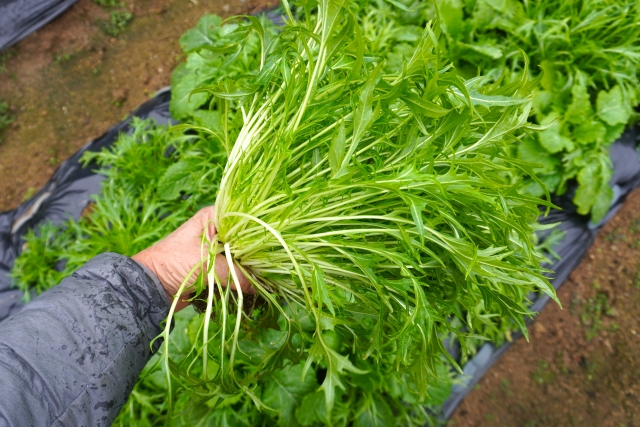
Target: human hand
x=172 y=258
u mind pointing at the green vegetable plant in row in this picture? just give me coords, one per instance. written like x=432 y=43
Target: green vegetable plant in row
x=587 y=53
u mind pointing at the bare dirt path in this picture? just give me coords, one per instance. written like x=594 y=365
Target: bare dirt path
x=582 y=366
x=69 y=82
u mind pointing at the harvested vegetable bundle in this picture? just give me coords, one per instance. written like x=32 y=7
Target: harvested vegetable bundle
x=363 y=206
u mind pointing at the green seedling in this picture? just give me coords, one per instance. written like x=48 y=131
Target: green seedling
x=592 y=312
x=543 y=373
x=116 y=24
x=6 y=117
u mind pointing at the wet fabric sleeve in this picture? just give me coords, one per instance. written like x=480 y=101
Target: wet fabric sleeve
x=72 y=356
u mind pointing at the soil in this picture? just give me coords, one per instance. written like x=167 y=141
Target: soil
x=582 y=364
x=69 y=82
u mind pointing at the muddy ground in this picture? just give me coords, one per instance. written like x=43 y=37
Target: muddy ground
x=70 y=82
x=582 y=364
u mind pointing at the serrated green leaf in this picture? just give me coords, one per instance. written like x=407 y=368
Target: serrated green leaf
x=580 y=108
x=590 y=131
x=603 y=203
x=614 y=132
x=590 y=180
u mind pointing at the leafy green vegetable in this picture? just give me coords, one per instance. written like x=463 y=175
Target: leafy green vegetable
x=35 y=272
x=136 y=207
x=588 y=55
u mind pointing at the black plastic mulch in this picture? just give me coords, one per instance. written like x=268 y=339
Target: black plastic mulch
x=19 y=18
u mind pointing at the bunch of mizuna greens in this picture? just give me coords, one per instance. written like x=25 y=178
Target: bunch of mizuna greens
x=587 y=53
x=368 y=195
x=365 y=207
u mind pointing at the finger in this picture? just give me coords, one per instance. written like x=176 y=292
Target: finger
x=205 y=221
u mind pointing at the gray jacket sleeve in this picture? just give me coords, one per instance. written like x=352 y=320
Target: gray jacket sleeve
x=72 y=356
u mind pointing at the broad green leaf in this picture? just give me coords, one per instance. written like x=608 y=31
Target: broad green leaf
x=612 y=108
x=208 y=119
x=409 y=33
x=285 y=390
x=202 y=34
x=591 y=183
x=614 y=132
x=373 y=411
x=178 y=73
x=183 y=103
x=551 y=138
x=603 y=203
x=497 y=5
x=312 y=410
x=548 y=75
x=590 y=131
x=451 y=16
x=531 y=151
x=541 y=103
x=177 y=179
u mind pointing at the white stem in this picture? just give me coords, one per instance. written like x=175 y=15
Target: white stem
x=234 y=275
